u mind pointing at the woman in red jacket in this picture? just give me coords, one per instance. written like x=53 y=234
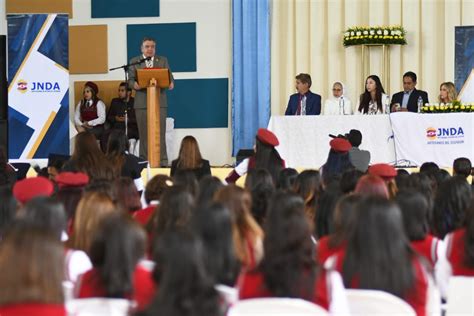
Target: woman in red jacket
x=32 y=265
x=116 y=249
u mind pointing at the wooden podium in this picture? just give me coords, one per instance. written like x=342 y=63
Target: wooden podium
x=153 y=79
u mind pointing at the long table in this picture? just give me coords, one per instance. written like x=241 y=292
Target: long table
x=304 y=140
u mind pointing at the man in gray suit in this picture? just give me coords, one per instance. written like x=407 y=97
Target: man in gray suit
x=148 y=49
x=360 y=159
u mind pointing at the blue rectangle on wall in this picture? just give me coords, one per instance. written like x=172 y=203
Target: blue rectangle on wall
x=125 y=8
x=199 y=103
x=176 y=41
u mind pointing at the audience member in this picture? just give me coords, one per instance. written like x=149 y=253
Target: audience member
x=349 y=180
x=259 y=183
x=304 y=102
x=189 y=158
x=373 y=100
x=309 y=187
x=70 y=189
x=326 y=204
x=208 y=186
x=371 y=185
x=339 y=103
x=462 y=167
x=408 y=99
x=338 y=161
x=359 y=158
x=286 y=179
x=128 y=196
x=28 y=188
x=387 y=173
x=153 y=192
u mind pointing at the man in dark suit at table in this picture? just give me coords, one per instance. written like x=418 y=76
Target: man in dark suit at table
x=304 y=102
x=407 y=100
x=148 y=51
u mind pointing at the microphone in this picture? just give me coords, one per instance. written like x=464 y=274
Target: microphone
x=145 y=59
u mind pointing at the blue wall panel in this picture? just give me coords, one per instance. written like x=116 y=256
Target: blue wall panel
x=125 y=8
x=176 y=41
x=199 y=103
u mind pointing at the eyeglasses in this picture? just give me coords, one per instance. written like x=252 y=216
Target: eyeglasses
x=336 y=89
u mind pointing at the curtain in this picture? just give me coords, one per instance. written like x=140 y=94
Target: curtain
x=251 y=70
x=307 y=37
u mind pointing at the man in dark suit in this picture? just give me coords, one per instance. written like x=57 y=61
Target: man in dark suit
x=148 y=49
x=407 y=100
x=304 y=102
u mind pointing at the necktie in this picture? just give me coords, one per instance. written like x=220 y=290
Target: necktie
x=149 y=63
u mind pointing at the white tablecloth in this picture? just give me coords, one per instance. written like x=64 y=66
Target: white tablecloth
x=406 y=137
x=304 y=140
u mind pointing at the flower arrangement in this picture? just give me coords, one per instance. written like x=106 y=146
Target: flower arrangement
x=454 y=107
x=358 y=35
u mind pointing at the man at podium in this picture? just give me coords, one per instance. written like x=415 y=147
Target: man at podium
x=149 y=60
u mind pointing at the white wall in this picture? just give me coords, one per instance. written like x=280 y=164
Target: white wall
x=214 y=58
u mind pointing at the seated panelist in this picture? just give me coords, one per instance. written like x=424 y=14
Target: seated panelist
x=304 y=102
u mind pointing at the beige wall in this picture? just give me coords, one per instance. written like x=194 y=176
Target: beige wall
x=307 y=37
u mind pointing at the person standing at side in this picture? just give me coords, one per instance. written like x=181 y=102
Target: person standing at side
x=408 y=99
x=148 y=50
x=304 y=102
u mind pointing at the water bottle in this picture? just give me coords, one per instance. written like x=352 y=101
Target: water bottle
x=303 y=105
x=341 y=106
x=419 y=103
x=387 y=105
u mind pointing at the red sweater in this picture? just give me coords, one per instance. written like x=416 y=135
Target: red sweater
x=143 y=285
x=324 y=251
x=252 y=285
x=143 y=216
x=427 y=248
x=455 y=253
x=32 y=309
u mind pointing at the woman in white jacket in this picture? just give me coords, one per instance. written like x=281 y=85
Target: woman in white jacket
x=373 y=100
x=339 y=103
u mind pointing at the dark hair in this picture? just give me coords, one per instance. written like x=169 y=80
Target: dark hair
x=259 y=183
x=185 y=289
x=69 y=197
x=103 y=186
x=349 y=180
x=116 y=148
x=401 y=178
x=174 y=210
x=286 y=179
x=213 y=224
x=354 y=137
x=156 y=187
x=336 y=164
x=469 y=236
x=118 y=245
x=7 y=174
x=208 y=186
x=266 y=157
x=304 y=78
x=288 y=267
x=343 y=217
x=7 y=208
x=147 y=38
x=308 y=185
x=429 y=167
x=450 y=205
x=378 y=253
x=189 y=156
x=127 y=194
x=365 y=97
x=125 y=84
x=323 y=221
x=462 y=166
x=410 y=74
x=414 y=207
x=187 y=179
x=46 y=213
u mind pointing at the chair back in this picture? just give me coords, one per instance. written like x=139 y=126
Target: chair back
x=460 y=296
x=372 y=302
x=98 y=306
x=276 y=307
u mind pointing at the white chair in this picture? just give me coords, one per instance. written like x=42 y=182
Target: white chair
x=460 y=296
x=98 y=307
x=276 y=307
x=371 y=302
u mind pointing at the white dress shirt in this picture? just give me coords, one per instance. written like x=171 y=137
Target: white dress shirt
x=100 y=114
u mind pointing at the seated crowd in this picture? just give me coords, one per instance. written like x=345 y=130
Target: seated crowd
x=83 y=232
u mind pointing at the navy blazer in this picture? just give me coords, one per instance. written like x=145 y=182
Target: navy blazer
x=412 y=105
x=313 y=104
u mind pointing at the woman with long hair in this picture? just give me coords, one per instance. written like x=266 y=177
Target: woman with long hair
x=371 y=185
x=378 y=255
x=373 y=100
x=260 y=184
x=338 y=161
x=91 y=210
x=208 y=186
x=308 y=185
x=153 y=193
x=289 y=268
x=189 y=158
x=213 y=224
x=286 y=179
x=447 y=92
x=265 y=157
x=128 y=196
x=88 y=158
x=31 y=261
x=246 y=233
x=185 y=287
x=90 y=112
x=117 y=247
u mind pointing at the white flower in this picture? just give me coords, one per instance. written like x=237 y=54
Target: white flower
x=358 y=33
x=352 y=34
x=385 y=32
x=347 y=34
x=366 y=33
x=372 y=32
x=379 y=32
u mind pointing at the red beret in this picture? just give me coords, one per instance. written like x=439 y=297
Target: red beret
x=93 y=86
x=72 y=179
x=383 y=170
x=267 y=137
x=340 y=145
x=26 y=189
